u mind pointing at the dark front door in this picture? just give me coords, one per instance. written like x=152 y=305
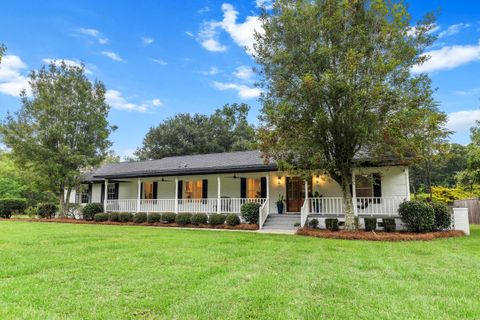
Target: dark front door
x=295 y=194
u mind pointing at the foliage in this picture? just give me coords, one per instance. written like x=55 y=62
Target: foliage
x=46 y=210
x=154 y=217
x=418 y=216
x=183 y=218
x=313 y=223
x=101 y=217
x=389 y=224
x=446 y=195
x=232 y=220
x=31 y=211
x=184 y=134
x=199 y=218
x=9 y=206
x=332 y=72
x=168 y=217
x=370 y=224
x=113 y=216
x=61 y=128
x=332 y=224
x=443 y=218
x=250 y=212
x=125 y=217
x=91 y=209
x=2 y=51
x=471 y=175
x=140 y=217
x=216 y=219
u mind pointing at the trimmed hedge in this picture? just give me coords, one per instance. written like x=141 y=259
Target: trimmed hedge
x=154 y=217
x=250 y=211
x=140 y=217
x=418 y=216
x=91 y=209
x=216 y=219
x=168 y=217
x=31 y=211
x=46 y=209
x=9 y=206
x=183 y=218
x=389 y=224
x=232 y=220
x=113 y=216
x=313 y=223
x=125 y=217
x=101 y=217
x=443 y=218
x=332 y=224
x=370 y=224
x=199 y=218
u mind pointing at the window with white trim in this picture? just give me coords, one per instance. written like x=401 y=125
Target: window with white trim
x=148 y=190
x=111 y=192
x=193 y=189
x=254 y=189
x=84 y=196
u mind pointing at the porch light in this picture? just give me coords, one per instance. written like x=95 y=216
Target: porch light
x=279 y=180
x=317 y=179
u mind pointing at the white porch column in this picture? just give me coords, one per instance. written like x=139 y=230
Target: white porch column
x=219 y=194
x=176 y=195
x=407 y=183
x=354 y=194
x=105 y=195
x=268 y=192
x=306 y=189
x=139 y=195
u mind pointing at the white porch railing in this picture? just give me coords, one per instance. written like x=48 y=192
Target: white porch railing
x=329 y=205
x=197 y=205
x=263 y=213
x=157 y=205
x=363 y=206
x=233 y=205
x=304 y=211
x=121 y=205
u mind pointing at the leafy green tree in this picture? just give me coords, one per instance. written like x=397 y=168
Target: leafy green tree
x=338 y=83
x=225 y=130
x=2 y=51
x=61 y=129
x=471 y=175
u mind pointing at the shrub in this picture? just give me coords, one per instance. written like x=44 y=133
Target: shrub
x=250 y=211
x=31 y=211
x=113 y=216
x=370 y=224
x=154 y=217
x=183 y=218
x=91 y=209
x=125 y=217
x=216 y=219
x=418 y=216
x=168 y=217
x=332 y=224
x=100 y=217
x=9 y=206
x=232 y=220
x=313 y=223
x=140 y=217
x=389 y=225
x=296 y=224
x=443 y=219
x=46 y=209
x=199 y=218
x=445 y=195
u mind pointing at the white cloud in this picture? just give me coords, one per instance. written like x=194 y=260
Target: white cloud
x=112 y=55
x=94 y=33
x=470 y=92
x=188 y=33
x=241 y=33
x=453 y=29
x=160 y=61
x=147 y=41
x=462 y=120
x=68 y=62
x=244 y=92
x=449 y=57
x=117 y=101
x=243 y=73
x=268 y=4
x=157 y=102
x=212 y=71
x=203 y=10
x=12 y=78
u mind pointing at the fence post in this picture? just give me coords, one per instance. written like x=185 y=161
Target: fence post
x=460 y=220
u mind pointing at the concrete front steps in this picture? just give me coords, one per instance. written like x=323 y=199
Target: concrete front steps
x=281 y=222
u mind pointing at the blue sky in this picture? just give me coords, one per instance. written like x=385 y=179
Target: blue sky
x=158 y=58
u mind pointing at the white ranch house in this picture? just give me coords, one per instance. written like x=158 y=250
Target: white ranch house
x=222 y=182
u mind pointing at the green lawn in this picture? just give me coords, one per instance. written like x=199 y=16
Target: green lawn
x=65 y=271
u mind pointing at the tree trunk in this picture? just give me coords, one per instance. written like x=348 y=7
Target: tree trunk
x=67 y=202
x=350 y=221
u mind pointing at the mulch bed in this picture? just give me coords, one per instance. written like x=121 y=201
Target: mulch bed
x=242 y=226
x=379 y=235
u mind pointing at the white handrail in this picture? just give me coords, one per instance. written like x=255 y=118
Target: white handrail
x=304 y=212
x=263 y=214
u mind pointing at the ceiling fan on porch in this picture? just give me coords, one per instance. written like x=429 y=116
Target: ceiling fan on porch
x=233 y=177
x=164 y=180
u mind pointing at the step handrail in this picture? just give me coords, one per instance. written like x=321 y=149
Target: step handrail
x=304 y=213
x=263 y=214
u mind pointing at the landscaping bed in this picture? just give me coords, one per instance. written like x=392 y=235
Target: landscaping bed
x=243 y=226
x=378 y=235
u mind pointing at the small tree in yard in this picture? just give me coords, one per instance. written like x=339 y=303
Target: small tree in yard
x=61 y=129
x=337 y=82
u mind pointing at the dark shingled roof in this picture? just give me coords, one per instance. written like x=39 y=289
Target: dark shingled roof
x=241 y=161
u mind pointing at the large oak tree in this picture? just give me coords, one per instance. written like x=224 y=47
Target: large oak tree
x=338 y=83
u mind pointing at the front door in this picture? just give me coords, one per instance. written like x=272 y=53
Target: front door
x=295 y=194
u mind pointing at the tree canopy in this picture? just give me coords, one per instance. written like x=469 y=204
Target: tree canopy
x=61 y=129
x=471 y=175
x=227 y=129
x=337 y=80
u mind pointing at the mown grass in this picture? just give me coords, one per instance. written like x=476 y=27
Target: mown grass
x=65 y=271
